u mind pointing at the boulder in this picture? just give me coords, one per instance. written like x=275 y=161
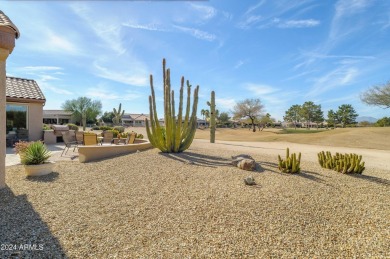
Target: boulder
x=239 y=158
x=247 y=164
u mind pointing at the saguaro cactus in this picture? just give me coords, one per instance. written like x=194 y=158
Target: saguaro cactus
x=212 y=117
x=177 y=135
x=118 y=114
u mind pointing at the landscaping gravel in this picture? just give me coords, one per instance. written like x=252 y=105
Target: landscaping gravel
x=194 y=204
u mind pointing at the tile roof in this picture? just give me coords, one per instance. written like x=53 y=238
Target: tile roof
x=5 y=21
x=134 y=116
x=23 y=89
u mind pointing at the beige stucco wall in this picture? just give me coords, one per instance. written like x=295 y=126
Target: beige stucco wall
x=35 y=121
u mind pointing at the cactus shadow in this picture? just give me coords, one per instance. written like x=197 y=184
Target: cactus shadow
x=198 y=159
x=372 y=179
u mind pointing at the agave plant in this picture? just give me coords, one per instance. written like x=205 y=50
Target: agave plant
x=35 y=154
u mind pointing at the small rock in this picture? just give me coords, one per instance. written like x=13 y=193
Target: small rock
x=250 y=180
x=247 y=164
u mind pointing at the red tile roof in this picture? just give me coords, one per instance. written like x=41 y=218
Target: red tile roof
x=20 y=88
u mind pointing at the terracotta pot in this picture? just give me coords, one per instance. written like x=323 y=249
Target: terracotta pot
x=37 y=170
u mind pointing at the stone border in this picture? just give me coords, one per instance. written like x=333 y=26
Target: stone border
x=93 y=153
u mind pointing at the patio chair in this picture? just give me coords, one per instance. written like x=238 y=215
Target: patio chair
x=69 y=141
x=80 y=137
x=108 y=137
x=22 y=134
x=130 y=138
x=90 y=139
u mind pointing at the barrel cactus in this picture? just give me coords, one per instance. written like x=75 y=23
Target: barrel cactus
x=178 y=131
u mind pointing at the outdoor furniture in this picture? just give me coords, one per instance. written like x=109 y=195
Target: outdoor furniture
x=58 y=129
x=108 y=137
x=69 y=141
x=130 y=138
x=80 y=137
x=90 y=139
x=22 y=134
x=100 y=140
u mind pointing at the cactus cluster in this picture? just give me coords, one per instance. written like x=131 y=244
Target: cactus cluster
x=346 y=164
x=212 y=117
x=291 y=164
x=179 y=131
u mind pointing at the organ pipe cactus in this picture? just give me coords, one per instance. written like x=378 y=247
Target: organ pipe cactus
x=118 y=114
x=291 y=164
x=179 y=131
x=212 y=117
x=346 y=164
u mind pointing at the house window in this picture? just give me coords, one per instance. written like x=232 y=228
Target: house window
x=16 y=116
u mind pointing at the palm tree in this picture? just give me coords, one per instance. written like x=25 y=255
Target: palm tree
x=203 y=113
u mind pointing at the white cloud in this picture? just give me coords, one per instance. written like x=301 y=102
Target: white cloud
x=202 y=35
x=338 y=77
x=226 y=103
x=249 y=21
x=239 y=64
x=148 y=27
x=105 y=27
x=40 y=68
x=206 y=12
x=260 y=89
x=132 y=77
x=254 y=7
x=299 y=23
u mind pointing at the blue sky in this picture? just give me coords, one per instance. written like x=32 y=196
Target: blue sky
x=283 y=52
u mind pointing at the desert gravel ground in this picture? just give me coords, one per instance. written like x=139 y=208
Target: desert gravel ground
x=195 y=204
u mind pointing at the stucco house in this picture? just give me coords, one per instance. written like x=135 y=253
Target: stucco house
x=59 y=117
x=24 y=106
x=135 y=120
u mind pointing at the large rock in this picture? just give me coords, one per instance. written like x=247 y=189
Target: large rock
x=239 y=158
x=247 y=164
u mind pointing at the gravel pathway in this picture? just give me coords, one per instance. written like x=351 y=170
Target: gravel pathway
x=194 y=204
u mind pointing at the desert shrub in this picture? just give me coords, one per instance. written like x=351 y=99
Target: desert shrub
x=46 y=127
x=121 y=129
x=95 y=128
x=346 y=164
x=21 y=146
x=291 y=164
x=73 y=126
x=105 y=128
x=36 y=153
x=115 y=132
x=140 y=136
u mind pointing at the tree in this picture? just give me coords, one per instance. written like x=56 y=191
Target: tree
x=378 y=95
x=311 y=112
x=223 y=118
x=385 y=121
x=266 y=120
x=107 y=117
x=346 y=114
x=203 y=113
x=251 y=108
x=332 y=118
x=293 y=114
x=83 y=107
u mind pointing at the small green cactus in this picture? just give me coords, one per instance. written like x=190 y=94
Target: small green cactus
x=291 y=164
x=346 y=164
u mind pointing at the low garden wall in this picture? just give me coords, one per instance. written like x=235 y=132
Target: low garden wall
x=98 y=152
